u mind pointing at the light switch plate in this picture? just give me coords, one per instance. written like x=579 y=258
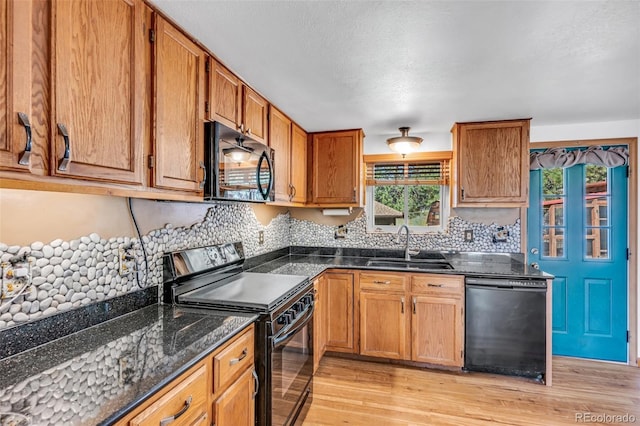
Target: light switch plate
x=468 y=235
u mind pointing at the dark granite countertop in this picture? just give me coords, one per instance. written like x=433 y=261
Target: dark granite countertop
x=99 y=374
x=315 y=262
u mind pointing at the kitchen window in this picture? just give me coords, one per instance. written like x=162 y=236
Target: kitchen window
x=412 y=191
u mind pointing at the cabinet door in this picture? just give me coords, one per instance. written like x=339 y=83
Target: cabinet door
x=236 y=406
x=437 y=330
x=225 y=96
x=336 y=167
x=178 y=110
x=280 y=141
x=298 y=165
x=99 y=89
x=254 y=114
x=15 y=84
x=383 y=325
x=339 y=300
x=492 y=163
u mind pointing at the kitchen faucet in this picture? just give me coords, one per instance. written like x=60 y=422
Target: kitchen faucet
x=407 y=256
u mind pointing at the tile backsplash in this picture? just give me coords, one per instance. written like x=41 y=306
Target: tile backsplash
x=69 y=274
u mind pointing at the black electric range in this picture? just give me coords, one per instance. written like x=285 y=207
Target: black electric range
x=212 y=277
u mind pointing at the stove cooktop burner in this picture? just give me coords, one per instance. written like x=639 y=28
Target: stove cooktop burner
x=259 y=292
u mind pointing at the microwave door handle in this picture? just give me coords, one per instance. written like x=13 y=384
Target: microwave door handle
x=263 y=192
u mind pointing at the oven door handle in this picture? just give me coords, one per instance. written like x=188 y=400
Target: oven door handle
x=299 y=325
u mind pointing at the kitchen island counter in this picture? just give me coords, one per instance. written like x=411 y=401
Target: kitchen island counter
x=99 y=374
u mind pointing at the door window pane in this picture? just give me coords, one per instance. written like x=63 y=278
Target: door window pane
x=553 y=241
x=553 y=211
x=553 y=181
x=597 y=243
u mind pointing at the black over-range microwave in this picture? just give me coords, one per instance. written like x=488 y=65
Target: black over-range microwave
x=237 y=167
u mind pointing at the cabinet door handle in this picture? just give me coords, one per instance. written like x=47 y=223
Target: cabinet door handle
x=290 y=192
x=169 y=420
x=355 y=192
x=242 y=356
x=462 y=192
x=381 y=282
x=66 y=157
x=248 y=132
x=26 y=154
x=257 y=384
x=434 y=285
x=402 y=305
x=414 y=305
x=294 y=191
x=204 y=174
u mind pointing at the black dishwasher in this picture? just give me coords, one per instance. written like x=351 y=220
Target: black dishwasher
x=505 y=326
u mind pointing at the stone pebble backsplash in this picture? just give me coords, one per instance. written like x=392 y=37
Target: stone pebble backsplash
x=306 y=233
x=69 y=274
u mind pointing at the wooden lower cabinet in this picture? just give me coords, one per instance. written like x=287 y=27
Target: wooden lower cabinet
x=383 y=325
x=339 y=310
x=236 y=405
x=422 y=322
x=221 y=387
x=319 y=321
x=437 y=330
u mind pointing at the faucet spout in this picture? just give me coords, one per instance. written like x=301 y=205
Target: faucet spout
x=407 y=256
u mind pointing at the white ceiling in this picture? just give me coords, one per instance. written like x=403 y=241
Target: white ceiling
x=380 y=65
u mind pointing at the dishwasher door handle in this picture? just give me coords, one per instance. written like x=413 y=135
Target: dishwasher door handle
x=502 y=288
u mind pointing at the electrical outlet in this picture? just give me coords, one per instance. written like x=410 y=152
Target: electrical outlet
x=126 y=260
x=260 y=237
x=468 y=235
x=15 y=277
x=341 y=232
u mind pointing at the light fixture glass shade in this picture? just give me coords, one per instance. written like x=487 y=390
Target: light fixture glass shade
x=404 y=144
x=237 y=154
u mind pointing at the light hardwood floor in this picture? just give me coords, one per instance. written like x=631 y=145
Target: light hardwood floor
x=367 y=393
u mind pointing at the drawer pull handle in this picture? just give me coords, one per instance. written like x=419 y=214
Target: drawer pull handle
x=169 y=420
x=257 y=382
x=26 y=154
x=66 y=157
x=242 y=356
x=435 y=285
x=402 y=305
x=382 y=282
x=414 y=305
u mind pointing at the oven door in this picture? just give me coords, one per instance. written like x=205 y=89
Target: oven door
x=292 y=371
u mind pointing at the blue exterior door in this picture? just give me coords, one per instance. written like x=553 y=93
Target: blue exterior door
x=577 y=231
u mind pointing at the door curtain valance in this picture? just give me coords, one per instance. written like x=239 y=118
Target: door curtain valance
x=561 y=157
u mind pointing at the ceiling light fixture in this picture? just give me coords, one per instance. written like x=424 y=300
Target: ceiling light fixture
x=404 y=144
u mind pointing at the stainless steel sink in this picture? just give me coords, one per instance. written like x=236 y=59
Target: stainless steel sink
x=420 y=264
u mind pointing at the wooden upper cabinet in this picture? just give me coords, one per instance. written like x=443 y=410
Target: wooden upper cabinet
x=298 y=164
x=336 y=164
x=254 y=114
x=225 y=96
x=16 y=142
x=98 y=80
x=179 y=75
x=280 y=142
x=491 y=164
x=235 y=104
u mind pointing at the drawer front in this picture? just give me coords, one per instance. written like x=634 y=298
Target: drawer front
x=382 y=281
x=186 y=402
x=229 y=363
x=437 y=284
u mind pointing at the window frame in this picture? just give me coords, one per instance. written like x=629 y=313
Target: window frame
x=441 y=157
